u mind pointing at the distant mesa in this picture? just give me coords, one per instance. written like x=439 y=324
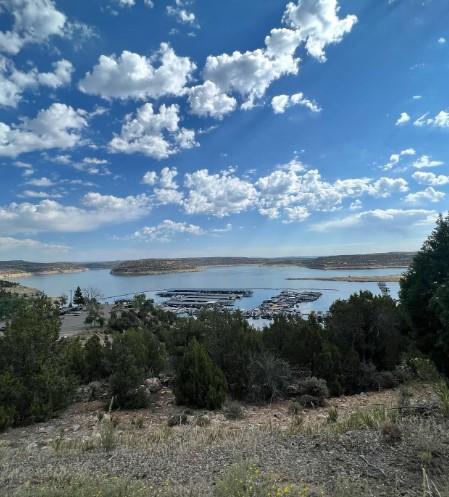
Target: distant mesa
x=19 y=268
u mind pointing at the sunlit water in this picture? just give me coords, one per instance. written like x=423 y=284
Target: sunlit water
x=265 y=281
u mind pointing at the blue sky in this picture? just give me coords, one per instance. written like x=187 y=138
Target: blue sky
x=137 y=128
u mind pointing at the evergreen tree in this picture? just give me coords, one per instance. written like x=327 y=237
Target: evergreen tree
x=127 y=361
x=94 y=359
x=95 y=315
x=424 y=295
x=33 y=378
x=199 y=383
x=78 y=298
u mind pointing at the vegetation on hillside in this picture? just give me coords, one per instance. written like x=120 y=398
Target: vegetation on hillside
x=366 y=343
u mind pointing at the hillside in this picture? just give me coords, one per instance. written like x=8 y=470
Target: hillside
x=19 y=268
x=154 y=266
x=361 y=261
x=132 y=453
x=358 y=261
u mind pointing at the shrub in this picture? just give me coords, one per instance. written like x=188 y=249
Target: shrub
x=108 y=438
x=442 y=391
x=332 y=415
x=313 y=392
x=428 y=444
x=294 y=408
x=138 y=421
x=269 y=377
x=385 y=380
x=296 y=424
x=404 y=399
x=424 y=369
x=248 y=481
x=177 y=420
x=234 y=410
x=199 y=383
x=391 y=433
x=203 y=420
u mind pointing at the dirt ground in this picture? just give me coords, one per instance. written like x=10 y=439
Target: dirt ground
x=145 y=448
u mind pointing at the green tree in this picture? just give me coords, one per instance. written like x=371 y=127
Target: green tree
x=78 y=297
x=94 y=359
x=199 y=383
x=127 y=371
x=33 y=379
x=366 y=330
x=95 y=315
x=424 y=295
x=232 y=343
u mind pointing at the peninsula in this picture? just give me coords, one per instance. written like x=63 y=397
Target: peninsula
x=18 y=268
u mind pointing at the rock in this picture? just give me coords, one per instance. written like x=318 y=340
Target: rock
x=166 y=381
x=153 y=385
x=95 y=390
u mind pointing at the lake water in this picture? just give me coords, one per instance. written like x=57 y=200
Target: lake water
x=265 y=281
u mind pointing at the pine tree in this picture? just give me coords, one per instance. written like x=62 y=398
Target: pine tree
x=78 y=298
x=33 y=379
x=424 y=295
x=199 y=383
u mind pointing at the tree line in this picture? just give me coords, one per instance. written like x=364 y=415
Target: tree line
x=366 y=342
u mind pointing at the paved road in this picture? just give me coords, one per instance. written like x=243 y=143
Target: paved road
x=73 y=324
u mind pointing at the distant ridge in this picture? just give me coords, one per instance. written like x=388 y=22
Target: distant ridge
x=357 y=261
x=17 y=268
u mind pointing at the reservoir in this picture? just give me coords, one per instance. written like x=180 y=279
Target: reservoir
x=264 y=281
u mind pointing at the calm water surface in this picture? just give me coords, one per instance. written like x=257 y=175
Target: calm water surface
x=265 y=281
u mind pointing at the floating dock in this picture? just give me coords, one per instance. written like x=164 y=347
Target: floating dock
x=383 y=288
x=190 y=300
x=286 y=303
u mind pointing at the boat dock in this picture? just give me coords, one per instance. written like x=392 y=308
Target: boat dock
x=188 y=301
x=383 y=288
x=286 y=303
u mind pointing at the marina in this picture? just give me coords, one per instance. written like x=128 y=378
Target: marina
x=189 y=301
x=384 y=290
x=263 y=283
x=286 y=303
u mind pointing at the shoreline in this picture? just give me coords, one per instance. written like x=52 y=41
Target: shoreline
x=280 y=264
x=390 y=278
x=50 y=272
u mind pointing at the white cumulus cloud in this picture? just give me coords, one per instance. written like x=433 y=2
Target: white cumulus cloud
x=440 y=120
x=59 y=126
x=131 y=75
x=318 y=24
x=14 y=82
x=208 y=100
x=280 y=103
x=48 y=215
x=166 y=230
x=218 y=194
x=155 y=134
x=395 y=158
x=425 y=161
x=427 y=178
x=404 y=118
x=427 y=195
